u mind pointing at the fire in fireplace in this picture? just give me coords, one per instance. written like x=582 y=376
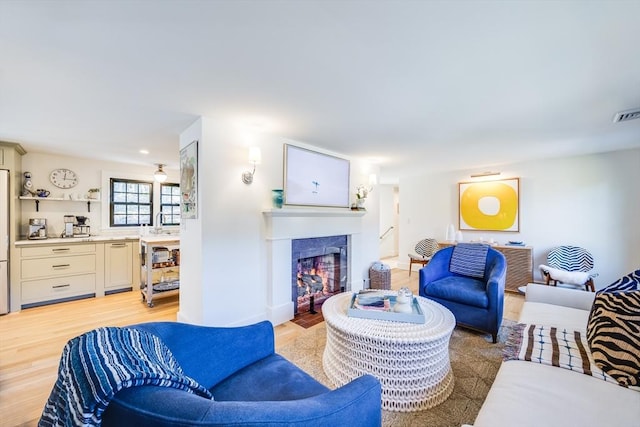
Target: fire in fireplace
x=319 y=270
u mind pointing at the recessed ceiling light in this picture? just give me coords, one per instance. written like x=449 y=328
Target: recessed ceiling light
x=143 y=151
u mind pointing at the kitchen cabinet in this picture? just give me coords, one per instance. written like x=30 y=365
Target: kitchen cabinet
x=56 y=270
x=62 y=272
x=160 y=267
x=118 y=266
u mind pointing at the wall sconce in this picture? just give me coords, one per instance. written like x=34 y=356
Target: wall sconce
x=255 y=158
x=160 y=175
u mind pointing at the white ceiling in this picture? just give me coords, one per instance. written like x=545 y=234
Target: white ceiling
x=419 y=85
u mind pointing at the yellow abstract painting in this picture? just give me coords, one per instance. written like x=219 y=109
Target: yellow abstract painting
x=490 y=205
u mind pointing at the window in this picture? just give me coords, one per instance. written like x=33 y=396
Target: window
x=131 y=202
x=170 y=203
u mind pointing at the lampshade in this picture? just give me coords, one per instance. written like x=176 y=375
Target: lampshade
x=160 y=175
x=255 y=155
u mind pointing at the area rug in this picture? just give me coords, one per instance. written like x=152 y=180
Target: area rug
x=474 y=361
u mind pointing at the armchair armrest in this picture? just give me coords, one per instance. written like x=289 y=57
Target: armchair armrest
x=559 y=296
x=357 y=403
x=437 y=268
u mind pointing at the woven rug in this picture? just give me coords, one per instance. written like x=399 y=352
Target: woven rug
x=474 y=361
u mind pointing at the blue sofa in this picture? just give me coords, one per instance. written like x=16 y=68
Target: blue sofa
x=250 y=383
x=476 y=303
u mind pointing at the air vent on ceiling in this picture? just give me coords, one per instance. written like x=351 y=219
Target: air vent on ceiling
x=623 y=116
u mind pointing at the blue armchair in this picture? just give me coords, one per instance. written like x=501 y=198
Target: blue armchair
x=250 y=383
x=476 y=301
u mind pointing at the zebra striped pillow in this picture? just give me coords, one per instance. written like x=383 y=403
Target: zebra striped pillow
x=613 y=330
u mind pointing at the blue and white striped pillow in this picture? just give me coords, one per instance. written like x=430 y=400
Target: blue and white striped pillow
x=469 y=259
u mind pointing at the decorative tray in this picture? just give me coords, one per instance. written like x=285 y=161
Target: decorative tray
x=385 y=310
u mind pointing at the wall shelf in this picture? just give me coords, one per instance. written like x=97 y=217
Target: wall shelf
x=59 y=199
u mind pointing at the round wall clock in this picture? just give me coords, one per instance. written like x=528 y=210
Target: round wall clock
x=63 y=178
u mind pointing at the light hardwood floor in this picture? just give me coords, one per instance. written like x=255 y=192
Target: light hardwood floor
x=31 y=341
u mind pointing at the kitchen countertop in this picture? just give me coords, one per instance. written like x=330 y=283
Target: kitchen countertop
x=98 y=238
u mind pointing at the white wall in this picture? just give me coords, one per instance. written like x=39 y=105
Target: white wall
x=590 y=201
x=223 y=252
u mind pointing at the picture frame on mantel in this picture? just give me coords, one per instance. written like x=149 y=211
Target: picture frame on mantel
x=189 y=181
x=489 y=205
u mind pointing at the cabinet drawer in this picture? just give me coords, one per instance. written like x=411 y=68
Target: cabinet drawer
x=58 y=266
x=58 y=288
x=53 y=250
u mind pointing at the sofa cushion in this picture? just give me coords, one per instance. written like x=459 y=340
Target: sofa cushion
x=613 y=333
x=463 y=290
x=550 y=314
x=469 y=259
x=526 y=394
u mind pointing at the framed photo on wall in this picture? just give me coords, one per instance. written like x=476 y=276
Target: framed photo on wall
x=189 y=181
x=489 y=205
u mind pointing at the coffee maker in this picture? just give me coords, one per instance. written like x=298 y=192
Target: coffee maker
x=37 y=229
x=69 y=222
x=76 y=226
x=82 y=228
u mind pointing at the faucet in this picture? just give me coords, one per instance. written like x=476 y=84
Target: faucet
x=159 y=220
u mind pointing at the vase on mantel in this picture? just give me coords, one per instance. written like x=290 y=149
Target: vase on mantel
x=277 y=198
x=360 y=203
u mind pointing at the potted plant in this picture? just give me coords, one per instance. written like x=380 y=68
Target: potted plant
x=361 y=196
x=93 y=193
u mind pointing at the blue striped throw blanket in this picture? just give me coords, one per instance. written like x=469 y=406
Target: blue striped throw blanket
x=469 y=259
x=96 y=365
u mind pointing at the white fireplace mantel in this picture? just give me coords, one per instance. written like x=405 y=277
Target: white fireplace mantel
x=284 y=225
x=293 y=212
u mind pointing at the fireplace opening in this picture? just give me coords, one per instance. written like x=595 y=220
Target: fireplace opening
x=319 y=270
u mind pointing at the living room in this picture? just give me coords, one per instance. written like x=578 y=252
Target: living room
x=538 y=105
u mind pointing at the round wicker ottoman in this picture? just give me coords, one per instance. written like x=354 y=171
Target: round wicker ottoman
x=410 y=360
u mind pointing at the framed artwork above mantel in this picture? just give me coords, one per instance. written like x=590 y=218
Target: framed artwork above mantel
x=489 y=205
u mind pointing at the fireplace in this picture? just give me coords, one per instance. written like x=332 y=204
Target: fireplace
x=319 y=269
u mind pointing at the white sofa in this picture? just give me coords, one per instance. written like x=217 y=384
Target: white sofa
x=530 y=394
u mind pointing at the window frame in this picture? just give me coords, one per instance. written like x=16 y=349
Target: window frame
x=112 y=203
x=171 y=205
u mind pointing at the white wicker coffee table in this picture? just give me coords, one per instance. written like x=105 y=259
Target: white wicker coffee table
x=410 y=360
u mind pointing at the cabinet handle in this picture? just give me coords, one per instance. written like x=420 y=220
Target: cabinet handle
x=61 y=249
x=61 y=266
x=118 y=245
x=61 y=286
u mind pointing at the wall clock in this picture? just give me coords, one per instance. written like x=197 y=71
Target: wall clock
x=63 y=178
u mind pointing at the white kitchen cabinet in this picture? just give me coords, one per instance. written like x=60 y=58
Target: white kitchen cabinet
x=62 y=272
x=118 y=266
